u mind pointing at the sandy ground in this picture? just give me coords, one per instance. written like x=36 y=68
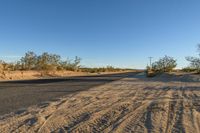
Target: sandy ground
x=168 y=103
x=20 y=94
x=20 y=75
x=27 y=75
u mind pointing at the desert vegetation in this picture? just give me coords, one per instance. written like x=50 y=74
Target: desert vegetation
x=168 y=64
x=165 y=64
x=45 y=63
x=104 y=69
x=194 y=62
x=49 y=64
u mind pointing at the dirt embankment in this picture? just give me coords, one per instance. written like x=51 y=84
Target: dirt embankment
x=134 y=104
x=26 y=75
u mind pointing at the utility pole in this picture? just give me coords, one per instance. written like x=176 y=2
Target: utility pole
x=150 y=59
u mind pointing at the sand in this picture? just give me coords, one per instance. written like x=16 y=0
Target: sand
x=21 y=75
x=167 y=103
x=27 y=75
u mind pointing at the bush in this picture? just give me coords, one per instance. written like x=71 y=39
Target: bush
x=165 y=64
x=103 y=69
x=46 y=62
x=195 y=61
x=188 y=69
x=29 y=61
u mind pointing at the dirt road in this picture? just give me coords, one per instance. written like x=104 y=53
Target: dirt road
x=16 y=95
x=165 y=104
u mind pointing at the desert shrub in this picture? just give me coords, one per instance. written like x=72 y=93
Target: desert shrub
x=4 y=66
x=29 y=61
x=48 y=63
x=18 y=66
x=3 y=69
x=188 y=69
x=165 y=64
x=76 y=63
x=1 y=66
x=72 y=65
x=103 y=69
x=195 y=61
x=93 y=70
x=150 y=72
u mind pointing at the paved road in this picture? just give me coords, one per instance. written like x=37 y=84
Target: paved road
x=15 y=95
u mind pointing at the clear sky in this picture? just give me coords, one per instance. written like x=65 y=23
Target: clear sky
x=122 y=33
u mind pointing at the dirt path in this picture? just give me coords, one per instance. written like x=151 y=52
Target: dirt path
x=133 y=104
x=15 y=95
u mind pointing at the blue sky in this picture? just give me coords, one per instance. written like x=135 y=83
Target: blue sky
x=122 y=33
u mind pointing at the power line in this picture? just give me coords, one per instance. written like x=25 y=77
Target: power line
x=150 y=59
